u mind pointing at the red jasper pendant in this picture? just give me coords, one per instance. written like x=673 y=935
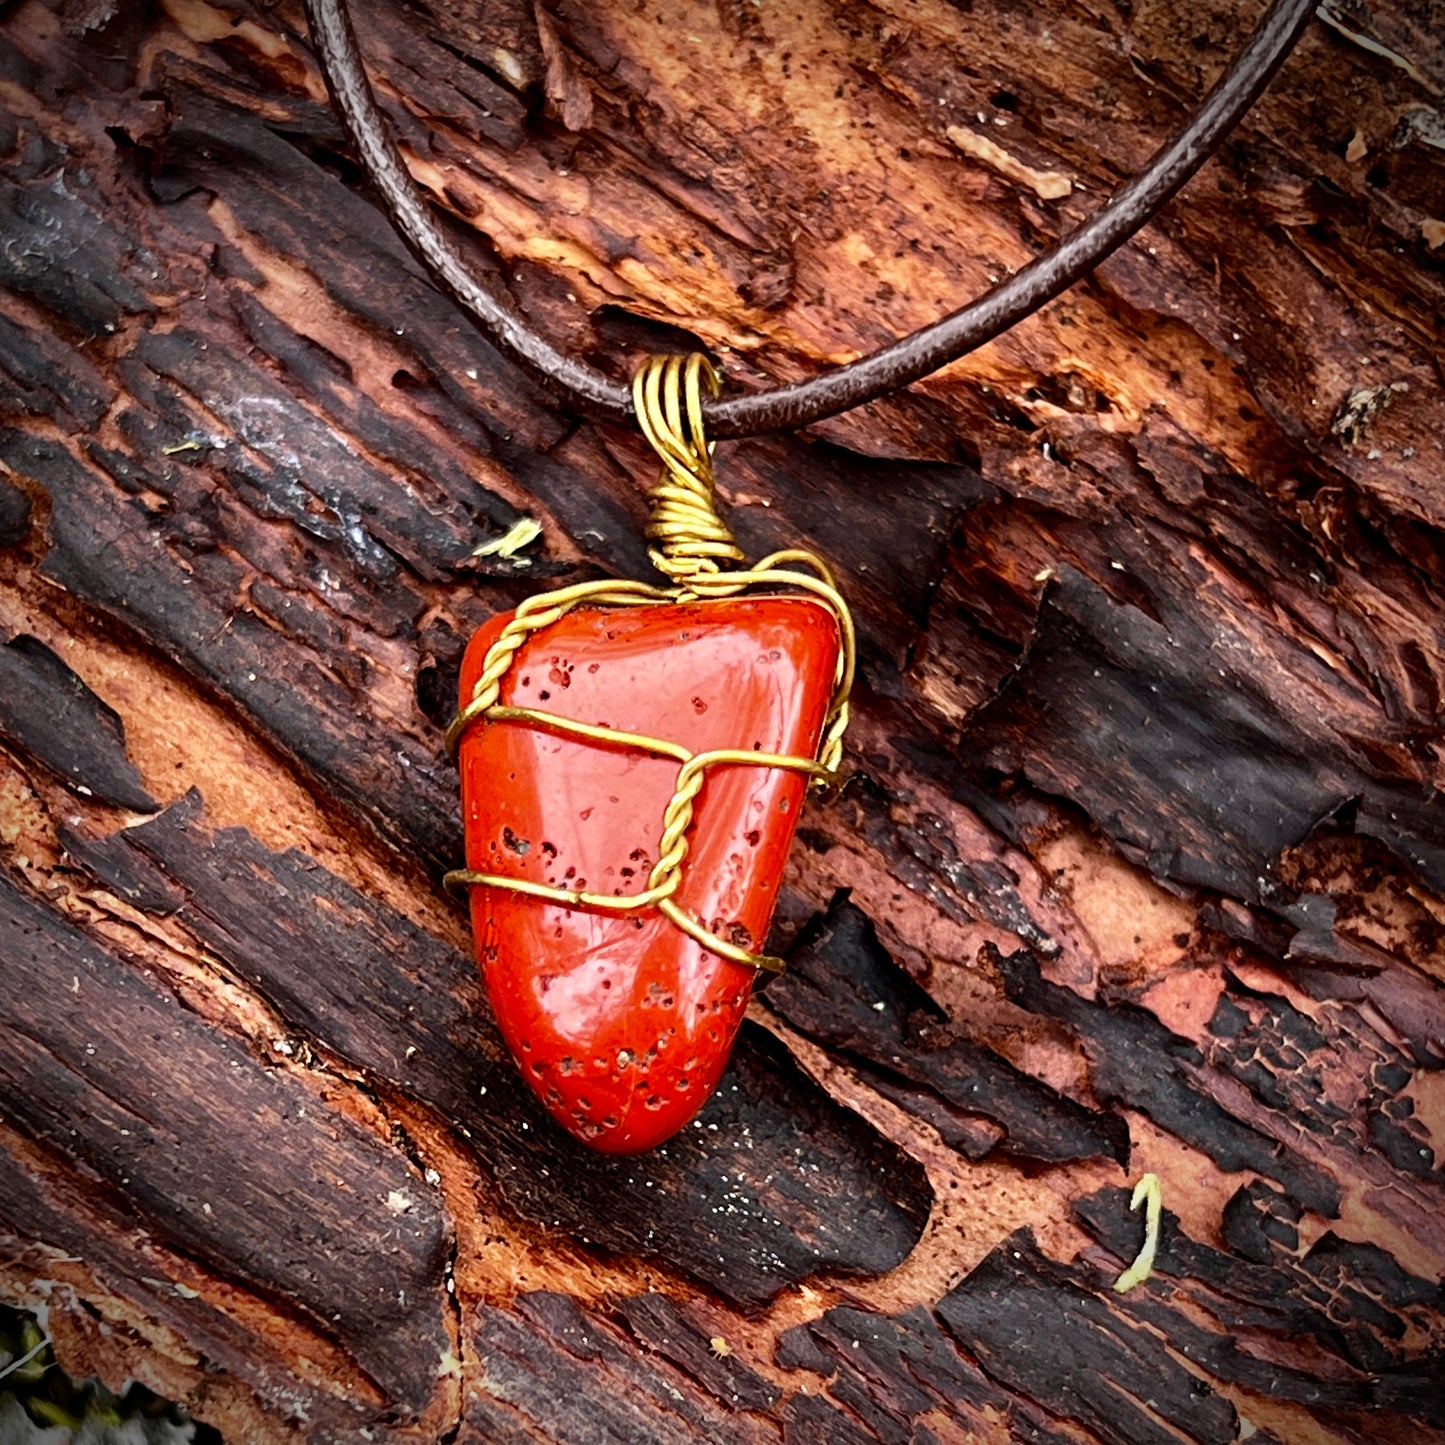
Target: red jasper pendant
x=620 y=1021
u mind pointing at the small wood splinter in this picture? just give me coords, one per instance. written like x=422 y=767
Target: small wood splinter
x=1146 y=1191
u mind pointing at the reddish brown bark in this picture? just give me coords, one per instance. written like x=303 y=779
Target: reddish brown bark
x=1143 y=845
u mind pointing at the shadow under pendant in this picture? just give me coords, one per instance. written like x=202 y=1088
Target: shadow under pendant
x=633 y=763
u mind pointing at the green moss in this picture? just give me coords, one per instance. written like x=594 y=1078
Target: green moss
x=41 y=1405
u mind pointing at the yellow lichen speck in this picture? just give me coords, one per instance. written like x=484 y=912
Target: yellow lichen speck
x=1146 y=1192
x=510 y=543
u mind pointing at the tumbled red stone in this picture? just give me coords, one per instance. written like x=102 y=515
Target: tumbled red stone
x=621 y=1023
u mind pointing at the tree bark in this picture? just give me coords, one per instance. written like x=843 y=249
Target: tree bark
x=1140 y=866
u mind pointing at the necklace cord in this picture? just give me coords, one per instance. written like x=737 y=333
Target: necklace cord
x=895 y=365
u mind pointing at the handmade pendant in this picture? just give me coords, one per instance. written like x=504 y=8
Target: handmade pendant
x=633 y=762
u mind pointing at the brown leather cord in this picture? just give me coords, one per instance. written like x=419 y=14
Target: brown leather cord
x=910 y=358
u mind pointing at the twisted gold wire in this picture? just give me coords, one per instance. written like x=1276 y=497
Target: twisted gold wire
x=695 y=548
x=534 y=614
x=666 y=875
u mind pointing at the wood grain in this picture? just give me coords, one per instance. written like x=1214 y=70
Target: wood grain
x=1139 y=864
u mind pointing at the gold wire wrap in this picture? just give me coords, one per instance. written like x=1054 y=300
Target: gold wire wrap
x=694 y=550
x=692 y=540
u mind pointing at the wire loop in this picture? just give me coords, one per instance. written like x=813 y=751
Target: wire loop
x=693 y=541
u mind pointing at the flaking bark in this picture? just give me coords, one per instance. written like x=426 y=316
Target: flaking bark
x=1140 y=865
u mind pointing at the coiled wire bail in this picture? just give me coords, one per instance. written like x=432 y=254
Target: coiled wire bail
x=694 y=548
x=691 y=544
